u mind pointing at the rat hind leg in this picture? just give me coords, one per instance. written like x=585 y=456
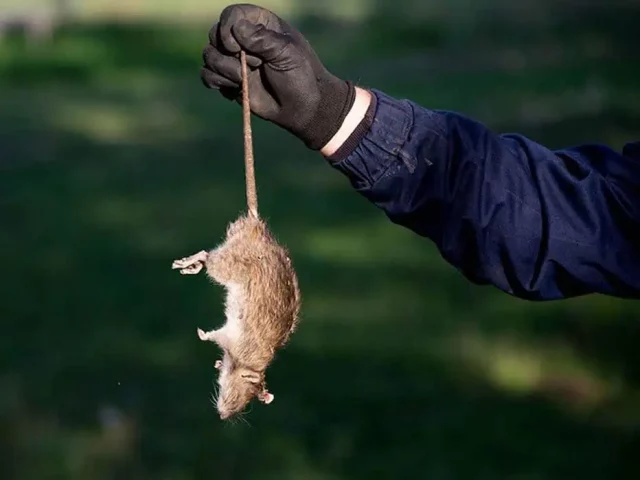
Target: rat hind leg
x=218 y=336
x=191 y=265
x=209 y=336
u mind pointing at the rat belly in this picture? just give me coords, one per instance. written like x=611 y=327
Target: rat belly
x=236 y=298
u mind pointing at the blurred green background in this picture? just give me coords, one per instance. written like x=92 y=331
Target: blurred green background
x=114 y=160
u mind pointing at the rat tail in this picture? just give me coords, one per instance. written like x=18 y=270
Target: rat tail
x=250 y=175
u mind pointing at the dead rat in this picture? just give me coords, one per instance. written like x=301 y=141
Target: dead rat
x=262 y=303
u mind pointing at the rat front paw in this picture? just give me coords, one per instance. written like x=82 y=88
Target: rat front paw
x=202 y=335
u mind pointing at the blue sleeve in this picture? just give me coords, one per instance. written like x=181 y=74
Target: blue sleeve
x=503 y=209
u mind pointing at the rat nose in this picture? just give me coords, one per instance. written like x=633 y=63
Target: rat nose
x=224 y=415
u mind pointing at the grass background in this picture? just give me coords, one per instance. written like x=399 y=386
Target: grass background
x=114 y=160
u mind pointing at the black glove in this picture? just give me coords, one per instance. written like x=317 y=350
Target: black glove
x=288 y=85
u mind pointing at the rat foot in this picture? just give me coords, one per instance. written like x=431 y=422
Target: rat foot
x=204 y=336
x=191 y=265
x=211 y=336
x=218 y=336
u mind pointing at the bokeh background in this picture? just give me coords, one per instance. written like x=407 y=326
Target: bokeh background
x=114 y=160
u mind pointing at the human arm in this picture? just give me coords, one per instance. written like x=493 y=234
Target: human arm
x=502 y=209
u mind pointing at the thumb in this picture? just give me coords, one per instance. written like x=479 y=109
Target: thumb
x=258 y=40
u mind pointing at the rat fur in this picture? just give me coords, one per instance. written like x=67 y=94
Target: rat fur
x=262 y=307
x=262 y=303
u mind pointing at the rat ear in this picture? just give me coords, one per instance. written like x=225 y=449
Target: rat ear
x=250 y=376
x=266 y=397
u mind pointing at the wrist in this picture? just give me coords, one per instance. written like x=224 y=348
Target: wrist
x=335 y=98
x=352 y=121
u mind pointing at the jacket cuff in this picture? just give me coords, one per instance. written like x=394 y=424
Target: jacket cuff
x=377 y=143
x=357 y=135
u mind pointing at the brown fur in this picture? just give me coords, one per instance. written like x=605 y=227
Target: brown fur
x=262 y=304
x=262 y=308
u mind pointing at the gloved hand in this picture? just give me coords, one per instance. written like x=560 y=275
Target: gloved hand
x=288 y=85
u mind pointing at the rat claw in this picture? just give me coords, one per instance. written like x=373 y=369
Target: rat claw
x=178 y=264
x=218 y=364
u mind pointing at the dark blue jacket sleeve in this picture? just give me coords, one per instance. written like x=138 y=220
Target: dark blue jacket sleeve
x=539 y=224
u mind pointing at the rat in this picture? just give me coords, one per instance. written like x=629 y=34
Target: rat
x=262 y=301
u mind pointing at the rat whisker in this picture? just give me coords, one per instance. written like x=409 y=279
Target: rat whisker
x=244 y=420
x=216 y=392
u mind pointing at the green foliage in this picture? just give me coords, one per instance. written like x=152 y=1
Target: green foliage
x=114 y=161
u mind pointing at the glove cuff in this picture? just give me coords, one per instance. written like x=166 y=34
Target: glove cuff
x=336 y=99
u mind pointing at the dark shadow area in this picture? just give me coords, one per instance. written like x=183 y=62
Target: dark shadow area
x=114 y=161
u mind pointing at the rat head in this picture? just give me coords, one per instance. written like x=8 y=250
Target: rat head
x=238 y=385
